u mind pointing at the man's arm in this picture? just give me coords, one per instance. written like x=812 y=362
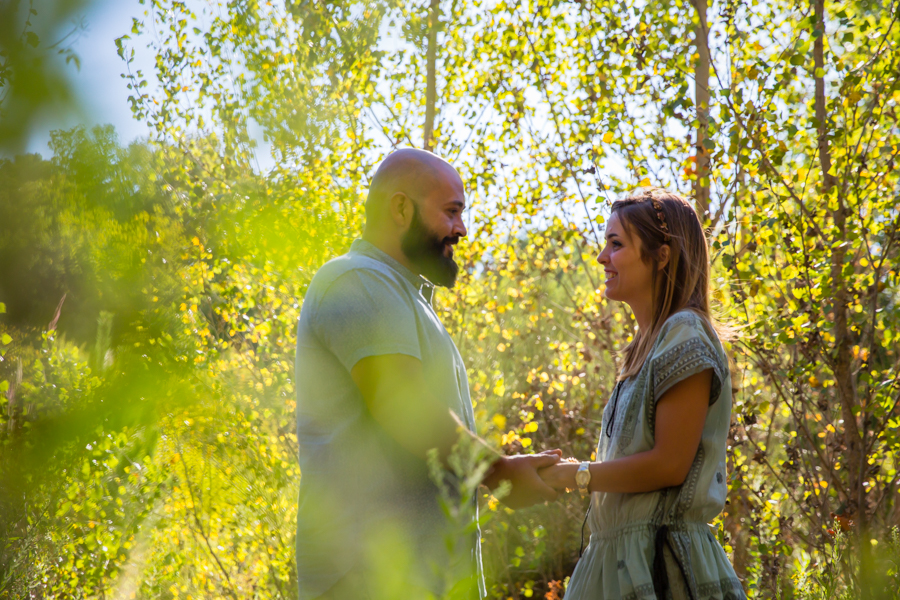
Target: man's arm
x=396 y=394
x=395 y=391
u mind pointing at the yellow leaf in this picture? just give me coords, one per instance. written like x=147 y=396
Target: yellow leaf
x=608 y=137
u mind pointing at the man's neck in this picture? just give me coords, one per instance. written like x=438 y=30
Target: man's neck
x=391 y=247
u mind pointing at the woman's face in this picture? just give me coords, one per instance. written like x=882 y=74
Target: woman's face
x=628 y=278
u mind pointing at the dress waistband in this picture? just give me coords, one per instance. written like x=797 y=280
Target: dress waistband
x=650 y=527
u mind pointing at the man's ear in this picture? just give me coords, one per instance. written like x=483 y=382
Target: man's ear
x=663 y=257
x=401 y=207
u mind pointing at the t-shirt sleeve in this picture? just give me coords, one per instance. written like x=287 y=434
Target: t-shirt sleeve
x=684 y=349
x=364 y=313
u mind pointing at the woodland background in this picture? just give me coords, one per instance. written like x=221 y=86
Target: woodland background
x=150 y=292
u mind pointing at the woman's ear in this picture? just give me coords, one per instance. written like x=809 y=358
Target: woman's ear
x=663 y=257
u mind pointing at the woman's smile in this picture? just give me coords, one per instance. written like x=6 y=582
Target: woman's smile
x=629 y=277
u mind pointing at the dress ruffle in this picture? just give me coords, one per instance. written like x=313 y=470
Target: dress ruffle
x=627 y=552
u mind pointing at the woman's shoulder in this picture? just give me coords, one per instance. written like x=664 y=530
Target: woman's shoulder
x=687 y=322
x=687 y=331
x=687 y=344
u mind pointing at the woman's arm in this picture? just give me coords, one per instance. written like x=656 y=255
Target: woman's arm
x=680 y=416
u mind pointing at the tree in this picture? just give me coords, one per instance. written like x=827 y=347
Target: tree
x=32 y=78
x=430 y=92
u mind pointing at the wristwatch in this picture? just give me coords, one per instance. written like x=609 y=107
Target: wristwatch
x=583 y=476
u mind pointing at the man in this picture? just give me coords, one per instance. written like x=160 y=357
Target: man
x=380 y=383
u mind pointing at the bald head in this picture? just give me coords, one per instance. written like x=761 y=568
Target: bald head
x=410 y=171
x=414 y=213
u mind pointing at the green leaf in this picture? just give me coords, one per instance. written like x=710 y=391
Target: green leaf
x=5 y=339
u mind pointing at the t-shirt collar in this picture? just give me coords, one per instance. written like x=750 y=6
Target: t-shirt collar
x=368 y=249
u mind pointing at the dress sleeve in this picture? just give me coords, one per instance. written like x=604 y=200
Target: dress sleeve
x=686 y=348
x=365 y=313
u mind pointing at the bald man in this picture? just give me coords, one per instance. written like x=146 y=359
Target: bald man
x=379 y=384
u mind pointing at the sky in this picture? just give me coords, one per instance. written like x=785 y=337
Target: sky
x=101 y=91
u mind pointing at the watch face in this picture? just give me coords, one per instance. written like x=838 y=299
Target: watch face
x=582 y=478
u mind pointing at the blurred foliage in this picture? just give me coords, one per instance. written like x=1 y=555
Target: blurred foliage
x=35 y=59
x=150 y=292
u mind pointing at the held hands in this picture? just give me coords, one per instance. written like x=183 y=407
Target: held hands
x=561 y=476
x=522 y=472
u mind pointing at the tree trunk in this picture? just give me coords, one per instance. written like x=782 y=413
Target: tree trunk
x=430 y=92
x=842 y=367
x=737 y=523
x=701 y=101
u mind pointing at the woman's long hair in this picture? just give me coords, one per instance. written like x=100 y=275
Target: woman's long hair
x=658 y=217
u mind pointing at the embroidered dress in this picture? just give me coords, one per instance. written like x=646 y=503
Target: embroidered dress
x=633 y=535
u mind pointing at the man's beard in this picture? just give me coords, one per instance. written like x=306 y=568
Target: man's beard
x=425 y=250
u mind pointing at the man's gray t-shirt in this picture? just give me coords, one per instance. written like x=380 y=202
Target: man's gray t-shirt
x=354 y=477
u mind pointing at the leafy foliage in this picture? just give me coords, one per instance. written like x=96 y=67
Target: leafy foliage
x=151 y=292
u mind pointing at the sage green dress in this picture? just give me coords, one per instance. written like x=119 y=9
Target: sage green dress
x=632 y=535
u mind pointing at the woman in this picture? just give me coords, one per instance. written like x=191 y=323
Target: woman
x=660 y=475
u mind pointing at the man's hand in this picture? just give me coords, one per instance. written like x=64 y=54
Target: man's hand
x=522 y=472
x=560 y=476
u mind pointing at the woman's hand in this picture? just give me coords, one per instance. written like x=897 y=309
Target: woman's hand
x=522 y=472
x=560 y=476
